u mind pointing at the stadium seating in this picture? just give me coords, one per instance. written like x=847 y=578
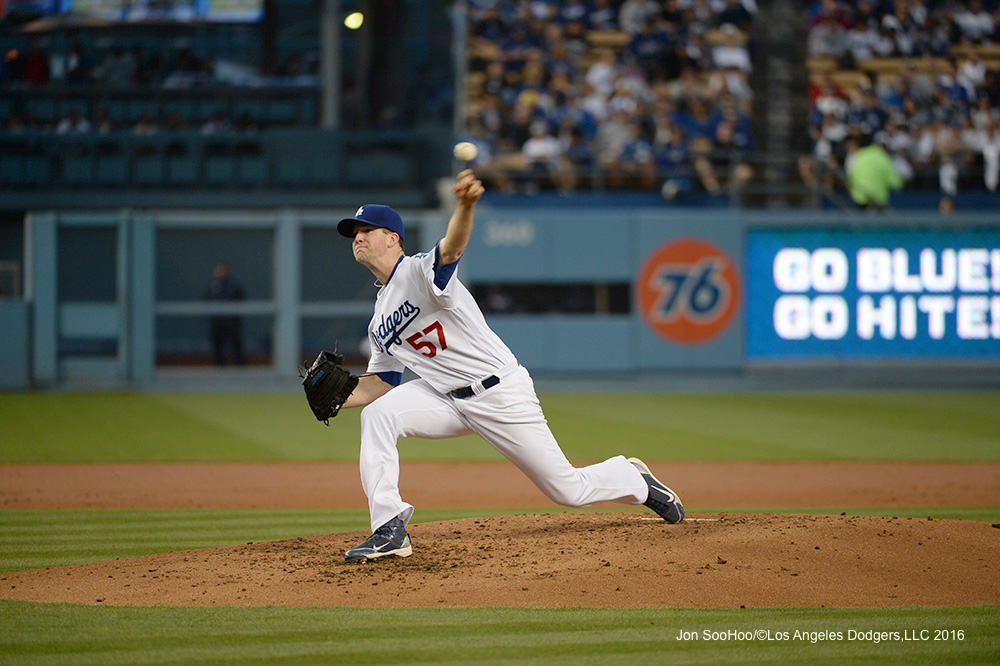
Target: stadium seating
x=525 y=119
x=916 y=78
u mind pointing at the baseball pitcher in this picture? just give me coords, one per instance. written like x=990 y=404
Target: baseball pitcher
x=468 y=382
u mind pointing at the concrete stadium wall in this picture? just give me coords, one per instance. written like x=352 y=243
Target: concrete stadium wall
x=110 y=294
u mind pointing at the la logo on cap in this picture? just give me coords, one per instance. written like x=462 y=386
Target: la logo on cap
x=361 y=211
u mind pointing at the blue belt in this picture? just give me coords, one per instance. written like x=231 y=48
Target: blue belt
x=468 y=391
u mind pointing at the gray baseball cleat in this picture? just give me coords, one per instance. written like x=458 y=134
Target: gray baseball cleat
x=390 y=540
x=661 y=499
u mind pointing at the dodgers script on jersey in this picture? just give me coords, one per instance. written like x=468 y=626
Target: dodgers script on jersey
x=426 y=320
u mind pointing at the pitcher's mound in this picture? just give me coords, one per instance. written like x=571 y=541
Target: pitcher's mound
x=568 y=559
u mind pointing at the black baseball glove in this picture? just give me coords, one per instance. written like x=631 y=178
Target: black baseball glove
x=328 y=384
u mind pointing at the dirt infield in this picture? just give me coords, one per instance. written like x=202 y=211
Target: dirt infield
x=569 y=559
x=484 y=485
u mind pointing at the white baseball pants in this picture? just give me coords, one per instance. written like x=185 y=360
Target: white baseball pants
x=509 y=417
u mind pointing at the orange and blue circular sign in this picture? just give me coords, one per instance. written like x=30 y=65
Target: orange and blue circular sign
x=688 y=291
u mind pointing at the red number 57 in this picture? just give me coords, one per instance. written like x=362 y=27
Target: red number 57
x=426 y=347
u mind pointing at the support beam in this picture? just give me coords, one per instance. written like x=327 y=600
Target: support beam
x=329 y=66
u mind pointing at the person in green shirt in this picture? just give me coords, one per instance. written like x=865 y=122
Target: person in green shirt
x=871 y=176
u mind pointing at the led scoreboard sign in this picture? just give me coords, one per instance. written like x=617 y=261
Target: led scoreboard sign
x=873 y=293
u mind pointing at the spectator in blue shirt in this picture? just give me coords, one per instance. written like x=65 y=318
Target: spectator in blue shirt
x=648 y=48
x=674 y=161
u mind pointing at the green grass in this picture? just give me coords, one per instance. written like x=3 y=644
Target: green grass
x=57 y=427
x=61 y=634
x=956 y=426
x=154 y=427
x=843 y=426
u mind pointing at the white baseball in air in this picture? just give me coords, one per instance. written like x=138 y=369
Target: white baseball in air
x=465 y=151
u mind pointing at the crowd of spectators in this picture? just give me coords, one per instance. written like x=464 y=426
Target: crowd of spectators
x=652 y=94
x=924 y=92
x=129 y=63
x=75 y=123
x=119 y=67
x=611 y=93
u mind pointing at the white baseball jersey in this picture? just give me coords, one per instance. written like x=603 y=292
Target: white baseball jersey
x=426 y=320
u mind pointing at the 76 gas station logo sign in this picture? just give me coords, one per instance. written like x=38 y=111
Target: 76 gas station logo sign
x=688 y=291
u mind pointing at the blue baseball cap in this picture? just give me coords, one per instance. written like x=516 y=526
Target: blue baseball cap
x=376 y=215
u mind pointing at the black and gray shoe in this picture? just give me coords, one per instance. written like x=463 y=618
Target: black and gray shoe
x=661 y=499
x=390 y=540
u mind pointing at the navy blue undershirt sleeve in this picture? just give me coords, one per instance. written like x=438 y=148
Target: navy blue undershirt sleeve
x=442 y=274
x=391 y=378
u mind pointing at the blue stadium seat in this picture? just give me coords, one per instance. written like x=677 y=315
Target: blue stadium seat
x=119 y=111
x=291 y=170
x=251 y=107
x=80 y=104
x=112 y=170
x=182 y=170
x=282 y=112
x=148 y=170
x=377 y=169
x=78 y=170
x=11 y=168
x=36 y=170
x=323 y=170
x=209 y=107
x=252 y=170
x=12 y=152
x=137 y=106
x=45 y=110
x=307 y=112
x=218 y=170
x=187 y=109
